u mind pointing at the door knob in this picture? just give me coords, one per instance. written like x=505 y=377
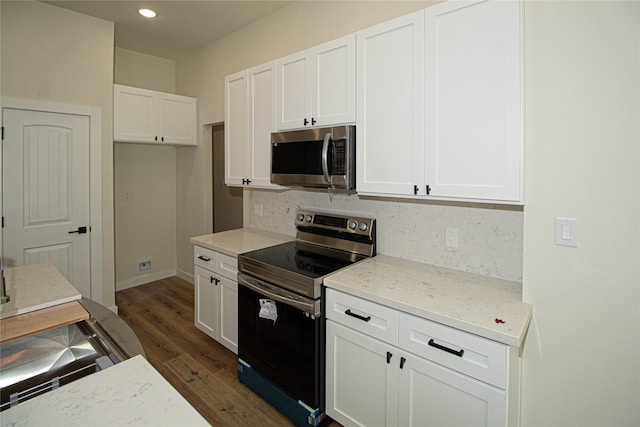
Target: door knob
x=80 y=230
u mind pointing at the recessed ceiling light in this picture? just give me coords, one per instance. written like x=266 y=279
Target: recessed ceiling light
x=147 y=13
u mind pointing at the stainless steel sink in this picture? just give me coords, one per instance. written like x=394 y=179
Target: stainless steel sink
x=39 y=363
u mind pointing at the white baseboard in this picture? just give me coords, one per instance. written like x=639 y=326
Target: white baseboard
x=143 y=278
x=186 y=275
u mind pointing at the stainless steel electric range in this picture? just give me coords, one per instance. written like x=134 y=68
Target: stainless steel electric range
x=280 y=313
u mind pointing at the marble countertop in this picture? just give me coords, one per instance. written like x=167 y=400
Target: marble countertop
x=33 y=287
x=465 y=301
x=129 y=393
x=234 y=242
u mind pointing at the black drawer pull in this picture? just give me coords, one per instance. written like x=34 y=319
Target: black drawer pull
x=388 y=357
x=458 y=353
x=402 y=361
x=357 y=316
x=204 y=258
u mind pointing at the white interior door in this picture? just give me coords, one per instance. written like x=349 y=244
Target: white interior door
x=46 y=192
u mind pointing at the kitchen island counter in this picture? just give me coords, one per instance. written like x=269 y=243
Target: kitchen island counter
x=485 y=306
x=34 y=287
x=234 y=242
x=129 y=393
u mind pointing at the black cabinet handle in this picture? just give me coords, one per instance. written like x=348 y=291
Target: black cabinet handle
x=388 y=357
x=428 y=190
x=162 y=139
x=204 y=258
x=213 y=279
x=458 y=353
x=313 y=121
x=306 y=122
x=357 y=316
x=156 y=138
x=80 y=230
x=402 y=361
x=415 y=189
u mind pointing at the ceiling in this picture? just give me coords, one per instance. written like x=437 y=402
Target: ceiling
x=181 y=26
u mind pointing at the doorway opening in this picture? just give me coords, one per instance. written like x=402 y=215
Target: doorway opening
x=227 y=201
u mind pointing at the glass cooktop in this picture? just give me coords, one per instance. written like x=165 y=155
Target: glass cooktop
x=303 y=258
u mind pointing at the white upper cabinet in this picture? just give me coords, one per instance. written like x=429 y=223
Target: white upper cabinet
x=473 y=143
x=250 y=115
x=316 y=87
x=236 y=141
x=390 y=112
x=446 y=125
x=147 y=116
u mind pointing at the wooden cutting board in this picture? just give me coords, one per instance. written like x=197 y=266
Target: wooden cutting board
x=42 y=320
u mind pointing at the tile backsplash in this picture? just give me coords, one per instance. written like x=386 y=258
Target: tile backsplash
x=489 y=236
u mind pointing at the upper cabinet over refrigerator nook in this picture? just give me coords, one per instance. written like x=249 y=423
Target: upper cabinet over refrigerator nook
x=151 y=117
x=463 y=140
x=316 y=87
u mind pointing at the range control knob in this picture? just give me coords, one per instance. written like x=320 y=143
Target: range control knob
x=363 y=226
x=353 y=225
x=300 y=217
x=308 y=218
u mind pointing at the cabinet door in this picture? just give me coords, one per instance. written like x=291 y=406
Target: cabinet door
x=294 y=90
x=262 y=121
x=236 y=142
x=433 y=395
x=206 y=302
x=135 y=115
x=334 y=82
x=390 y=107
x=473 y=100
x=176 y=119
x=229 y=314
x=361 y=387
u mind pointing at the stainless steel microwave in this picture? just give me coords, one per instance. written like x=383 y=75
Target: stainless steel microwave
x=320 y=157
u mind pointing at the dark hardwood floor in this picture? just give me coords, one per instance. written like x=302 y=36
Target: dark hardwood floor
x=203 y=371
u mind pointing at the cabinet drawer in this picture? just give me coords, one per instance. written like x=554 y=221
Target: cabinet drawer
x=205 y=258
x=469 y=354
x=364 y=316
x=227 y=266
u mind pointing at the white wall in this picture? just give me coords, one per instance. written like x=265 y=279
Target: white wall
x=144 y=71
x=145 y=224
x=58 y=56
x=581 y=362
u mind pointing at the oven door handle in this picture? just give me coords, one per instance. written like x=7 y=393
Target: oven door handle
x=311 y=307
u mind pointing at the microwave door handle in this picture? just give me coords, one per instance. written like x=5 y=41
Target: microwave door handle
x=325 y=158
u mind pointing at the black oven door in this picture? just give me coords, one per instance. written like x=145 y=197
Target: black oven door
x=286 y=348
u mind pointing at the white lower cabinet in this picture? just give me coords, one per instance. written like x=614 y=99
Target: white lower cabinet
x=216 y=296
x=379 y=382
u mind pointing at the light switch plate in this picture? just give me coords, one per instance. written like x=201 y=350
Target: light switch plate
x=566 y=232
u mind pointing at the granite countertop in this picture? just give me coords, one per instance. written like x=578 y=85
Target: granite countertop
x=465 y=301
x=129 y=393
x=33 y=287
x=239 y=241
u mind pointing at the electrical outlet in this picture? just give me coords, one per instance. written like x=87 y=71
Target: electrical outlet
x=257 y=210
x=451 y=237
x=144 y=266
